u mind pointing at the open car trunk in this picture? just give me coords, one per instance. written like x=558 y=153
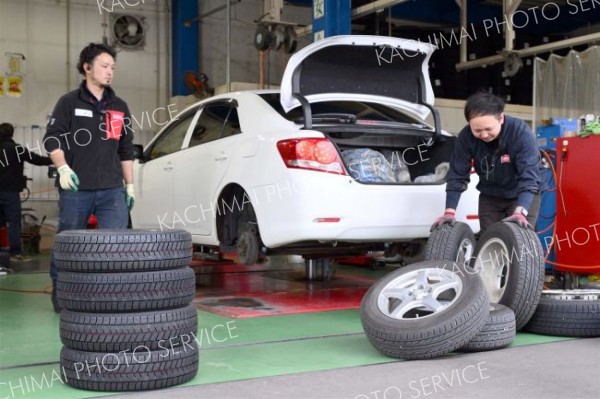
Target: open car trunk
x=375 y=158
x=378 y=144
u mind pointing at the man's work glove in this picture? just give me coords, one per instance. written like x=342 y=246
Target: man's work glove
x=129 y=196
x=447 y=217
x=68 y=179
x=519 y=219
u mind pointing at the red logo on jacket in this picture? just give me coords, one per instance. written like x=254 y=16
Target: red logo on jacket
x=505 y=158
x=114 y=124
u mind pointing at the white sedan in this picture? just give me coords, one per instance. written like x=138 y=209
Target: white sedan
x=341 y=160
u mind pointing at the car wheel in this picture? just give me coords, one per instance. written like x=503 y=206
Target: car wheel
x=451 y=242
x=247 y=247
x=498 y=332
x=126 y=292
x=134 y=370
x=122 y=250
x=424 y=310
x=567 y=313
x=114 y=332
x=510 y=261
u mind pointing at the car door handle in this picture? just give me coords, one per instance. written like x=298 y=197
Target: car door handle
x=224 y=157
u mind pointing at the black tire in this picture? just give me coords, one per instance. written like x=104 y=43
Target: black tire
x=451 y=242
x=122 y=250
x=424 y=334
x=567 y=313
x=126 y=292
x=114 y=332
x=510 y=261
x=129 y=371
x=498 y=332
x=247 y=247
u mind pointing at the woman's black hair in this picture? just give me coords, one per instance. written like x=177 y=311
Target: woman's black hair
x=483 y=103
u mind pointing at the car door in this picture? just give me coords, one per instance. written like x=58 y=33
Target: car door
x=155 y=186
x=206 y=158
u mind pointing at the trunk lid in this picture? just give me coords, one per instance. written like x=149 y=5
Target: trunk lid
x=380 y=69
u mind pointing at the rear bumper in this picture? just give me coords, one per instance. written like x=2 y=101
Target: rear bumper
x=289 y=210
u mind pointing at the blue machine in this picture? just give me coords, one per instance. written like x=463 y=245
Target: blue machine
x=548 y=134
x=546 y=138
x=547 y=211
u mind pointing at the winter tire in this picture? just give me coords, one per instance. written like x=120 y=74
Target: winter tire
x=510 y=261
x=498 y=332
x=451 y=242
x=126 y=292
x=129 y=370
x=115 y=332
x=122 y=250
x=567 y=313
x=424 y=310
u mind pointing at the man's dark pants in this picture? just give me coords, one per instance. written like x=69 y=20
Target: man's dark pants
x=75 y=209
x=493 y=209
x=10 y=208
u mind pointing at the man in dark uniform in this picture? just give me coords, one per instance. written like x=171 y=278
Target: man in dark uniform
x=12 y=159
x=505 y=155
x=90 y=141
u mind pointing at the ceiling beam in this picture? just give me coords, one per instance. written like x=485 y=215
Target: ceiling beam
x=375 y=6
x=527 y=52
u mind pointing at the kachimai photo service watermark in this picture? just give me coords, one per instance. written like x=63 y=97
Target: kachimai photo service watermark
x=580 y=236
x=423 y=387
x=197 y=213
x=106 y=363
x=83 y=137
x=521 y=18
x=120 y=5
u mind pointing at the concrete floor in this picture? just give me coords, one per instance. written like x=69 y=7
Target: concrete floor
x=310 y=355
x=559 y=370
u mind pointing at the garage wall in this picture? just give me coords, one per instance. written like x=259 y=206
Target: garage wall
x=38 y=29
x=244 y=57
x=453 y=119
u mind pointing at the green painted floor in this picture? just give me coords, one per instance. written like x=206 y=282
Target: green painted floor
x=230 y=349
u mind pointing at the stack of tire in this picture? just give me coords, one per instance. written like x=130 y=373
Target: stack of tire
x=464 y=297
x=567 y=313
x=126 y=321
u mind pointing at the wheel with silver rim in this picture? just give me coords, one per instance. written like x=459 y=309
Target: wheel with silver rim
x=510 y=261
x=454 y=242
x=567 y=313
x=424 y=310
x=493 y=266
x=419 y=294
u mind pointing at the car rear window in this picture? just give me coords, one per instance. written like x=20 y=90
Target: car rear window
x=363 y=110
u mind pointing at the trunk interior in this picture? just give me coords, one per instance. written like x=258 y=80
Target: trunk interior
x=375 y=158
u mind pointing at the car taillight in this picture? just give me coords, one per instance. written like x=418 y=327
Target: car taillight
x=311 y=153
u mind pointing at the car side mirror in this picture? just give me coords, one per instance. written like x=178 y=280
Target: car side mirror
x=138 y=152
